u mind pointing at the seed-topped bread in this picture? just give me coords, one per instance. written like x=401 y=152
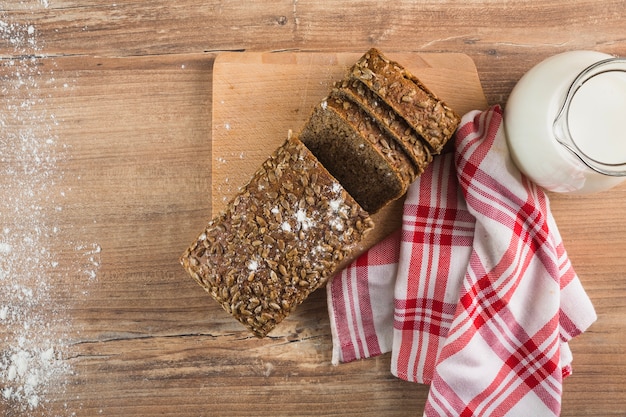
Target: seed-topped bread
x=429 y=116
x=370 y=165
x=280 y=238
x=394 y=126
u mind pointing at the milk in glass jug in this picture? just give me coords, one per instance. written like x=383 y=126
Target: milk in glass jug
x=565 y=122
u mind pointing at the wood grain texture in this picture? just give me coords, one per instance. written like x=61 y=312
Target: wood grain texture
x=503 y=38
x=130 y=85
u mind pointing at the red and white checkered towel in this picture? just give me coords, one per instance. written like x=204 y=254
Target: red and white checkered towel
x=475 y=295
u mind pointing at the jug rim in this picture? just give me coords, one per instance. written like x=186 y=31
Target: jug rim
x=561 y=123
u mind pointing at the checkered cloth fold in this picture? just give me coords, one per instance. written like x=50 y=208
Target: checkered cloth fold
x=475 y=295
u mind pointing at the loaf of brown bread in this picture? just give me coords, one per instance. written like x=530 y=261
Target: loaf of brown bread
x=371 y=166
x=280 y=238
x=429 y=116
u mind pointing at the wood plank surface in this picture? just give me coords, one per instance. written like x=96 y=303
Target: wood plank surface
x=106 y=176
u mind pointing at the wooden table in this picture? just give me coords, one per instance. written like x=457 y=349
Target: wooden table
x=106 y=178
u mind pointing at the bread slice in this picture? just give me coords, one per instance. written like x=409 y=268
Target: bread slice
x=429 y=116
x=396 y=128
x=280 y=238
x=372 y=168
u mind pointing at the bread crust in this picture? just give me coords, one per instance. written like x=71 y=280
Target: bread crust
x=433 y=120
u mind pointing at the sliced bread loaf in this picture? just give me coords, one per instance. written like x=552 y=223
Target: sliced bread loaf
x=371 y=167
x=396 y=128
x=429 y=116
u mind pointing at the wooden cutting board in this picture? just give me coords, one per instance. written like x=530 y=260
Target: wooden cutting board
x=259 y=97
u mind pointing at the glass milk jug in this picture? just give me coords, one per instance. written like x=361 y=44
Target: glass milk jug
x=565 y=122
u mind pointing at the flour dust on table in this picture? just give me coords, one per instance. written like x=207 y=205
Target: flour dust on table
x=35 y=327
